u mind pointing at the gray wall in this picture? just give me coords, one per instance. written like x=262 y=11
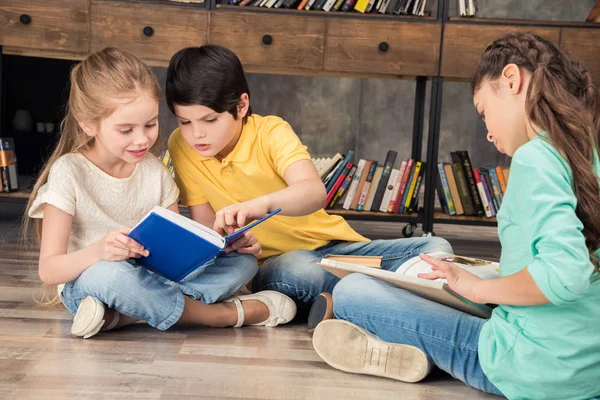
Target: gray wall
x=371 y=116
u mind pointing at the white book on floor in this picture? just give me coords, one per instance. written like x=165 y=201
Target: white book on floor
x=406 y=277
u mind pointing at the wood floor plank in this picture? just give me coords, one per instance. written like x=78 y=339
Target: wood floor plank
x=39 y=359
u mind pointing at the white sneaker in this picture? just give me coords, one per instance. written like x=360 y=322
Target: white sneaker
x=89 y=318
x=282 y=309
x=350 y=348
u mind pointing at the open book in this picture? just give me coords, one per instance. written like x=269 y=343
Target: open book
x=405 y=277
x=179 y=245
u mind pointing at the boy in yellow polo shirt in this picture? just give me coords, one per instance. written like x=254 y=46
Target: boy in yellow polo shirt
x=232 y=166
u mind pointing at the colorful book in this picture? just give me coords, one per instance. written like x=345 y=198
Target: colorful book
x=340 y=179
x=453 y=189
x=501 y=179
x=463 y=189
x=389 y=190
x=388 y=165
x=482 y=196
x=414 y=201
x=443 y=190
x=402 y=191
x=397 y=187
x=344 y=187
x=361 y=183
x=462 y=157
x=341 y=167
x=354 y=184
x=367 y=186
x=410 y=188
x=373 y=188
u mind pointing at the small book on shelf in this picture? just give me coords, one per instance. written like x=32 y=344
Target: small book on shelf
x=178 y=245
x=406 y=277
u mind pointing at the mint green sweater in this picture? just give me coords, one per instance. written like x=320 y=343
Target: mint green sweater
x=550 y=351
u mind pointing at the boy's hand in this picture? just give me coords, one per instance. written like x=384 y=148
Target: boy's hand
x=459 y=280
x=117 y=246
x=247 y=244
x=235 y=216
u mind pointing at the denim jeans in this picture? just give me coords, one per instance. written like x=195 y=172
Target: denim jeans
x=448 y=337
x=297 y=274
x=134 y=291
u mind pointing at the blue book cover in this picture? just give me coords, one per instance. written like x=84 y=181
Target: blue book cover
x=178 y=245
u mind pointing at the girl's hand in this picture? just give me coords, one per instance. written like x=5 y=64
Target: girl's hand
x=459 y=280
x=117 y=246
x=235 y=216
x=247 y=244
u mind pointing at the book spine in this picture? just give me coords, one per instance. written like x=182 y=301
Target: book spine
x=366 y=187
x=496 y=186
x=340 y=168
x=390 y=158
x=412 y=205
x=397 y=187
x=402 y=192
x=389 y=191
x=453 y=189
x=361 y=184
x=466 y=163
x=463 y=189
x=344 y=187
x=354 y=184
x=361 y=6
x=374 y=183
x=338 y=183
x=338 y=4
x=411 y=187
x=501 y=179
x=329 y=5
x=439 y=188
x=488 y=192
x=486 y=205
x=446 y=190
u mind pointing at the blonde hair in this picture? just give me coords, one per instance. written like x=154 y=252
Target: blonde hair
x=96 y=83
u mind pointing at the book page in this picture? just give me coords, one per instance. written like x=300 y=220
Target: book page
x=482 y=268
x=190 y=225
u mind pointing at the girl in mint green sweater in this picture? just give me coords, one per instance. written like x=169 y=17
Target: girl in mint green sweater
x=543 y=339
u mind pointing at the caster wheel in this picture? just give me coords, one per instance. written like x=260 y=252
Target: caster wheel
x=408 y=230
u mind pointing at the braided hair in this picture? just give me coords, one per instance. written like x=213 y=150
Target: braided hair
x=562 y=100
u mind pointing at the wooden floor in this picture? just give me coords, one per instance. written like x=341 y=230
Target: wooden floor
x=39 y=358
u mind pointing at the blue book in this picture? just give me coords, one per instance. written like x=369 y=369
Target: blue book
x=339 y=170
x=179 y=245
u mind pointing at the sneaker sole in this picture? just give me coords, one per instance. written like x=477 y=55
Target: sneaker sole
x=349 y=348
x=321 y=309
x=88 y=318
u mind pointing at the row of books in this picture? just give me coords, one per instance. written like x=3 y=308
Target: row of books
x=464 y=190
x=396 y=7
x=370 y=186
x=165 y=157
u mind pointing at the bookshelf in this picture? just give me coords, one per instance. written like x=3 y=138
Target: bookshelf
x=435 y=48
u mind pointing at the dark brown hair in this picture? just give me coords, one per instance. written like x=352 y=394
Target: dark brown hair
x=210 y=76
x=561 y=100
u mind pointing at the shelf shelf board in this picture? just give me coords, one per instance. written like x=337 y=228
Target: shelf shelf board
x=443 y=218
x=375 y=216
x=524 y=22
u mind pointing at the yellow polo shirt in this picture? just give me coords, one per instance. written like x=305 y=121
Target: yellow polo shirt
x=255 y=167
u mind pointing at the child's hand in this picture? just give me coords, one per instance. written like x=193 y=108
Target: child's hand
x=247 y=244
x=459 y=280
x=117 y=246
x=235 y=216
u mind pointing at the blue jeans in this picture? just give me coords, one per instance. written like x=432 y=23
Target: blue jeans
x=448 y=337
x=134 y=291
x=297 y=274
